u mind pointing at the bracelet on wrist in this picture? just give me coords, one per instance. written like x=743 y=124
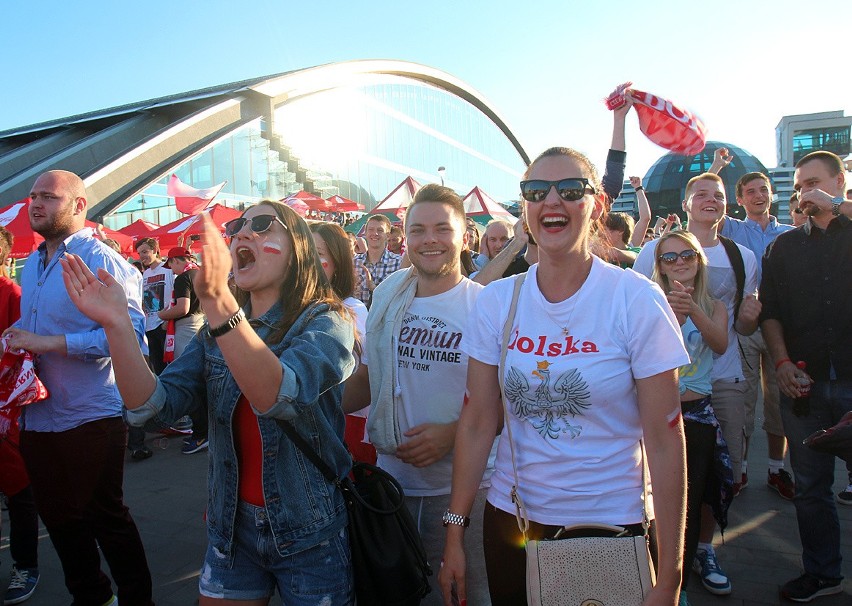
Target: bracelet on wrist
x=228 y=325
x=779 y=363
x=640 y=188
x=456 y=519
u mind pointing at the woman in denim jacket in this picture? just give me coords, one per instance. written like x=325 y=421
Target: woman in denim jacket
x=277 y=350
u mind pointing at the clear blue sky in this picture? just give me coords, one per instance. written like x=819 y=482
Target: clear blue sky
x=545 y=65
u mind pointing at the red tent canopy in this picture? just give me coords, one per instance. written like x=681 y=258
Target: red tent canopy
x=313 y=202
x=299 y=207
x=124 y=241
x=138 y=229
x=399 y=199
x=180 y=232
x=482 y=208
x=16 y=219
x=344 y=205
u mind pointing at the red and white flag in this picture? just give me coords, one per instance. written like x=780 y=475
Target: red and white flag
x=667 y=124
x=188 y=200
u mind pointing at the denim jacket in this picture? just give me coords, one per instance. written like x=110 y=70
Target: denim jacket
x=316 y=356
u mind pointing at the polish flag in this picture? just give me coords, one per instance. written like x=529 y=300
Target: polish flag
x=188 y=200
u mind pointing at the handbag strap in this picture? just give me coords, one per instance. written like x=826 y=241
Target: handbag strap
x=520 y=508
x=309 y=452
x=347 y=487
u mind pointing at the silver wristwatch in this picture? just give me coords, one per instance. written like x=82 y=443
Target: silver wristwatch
x=835 y=205
x=455 y=518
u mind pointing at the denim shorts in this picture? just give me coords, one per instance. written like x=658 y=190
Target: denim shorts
x=321 y=574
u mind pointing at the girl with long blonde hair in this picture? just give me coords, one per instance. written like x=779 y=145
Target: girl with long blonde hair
x=680 y=269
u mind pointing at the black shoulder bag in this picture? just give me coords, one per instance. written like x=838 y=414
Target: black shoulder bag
x=388 y=558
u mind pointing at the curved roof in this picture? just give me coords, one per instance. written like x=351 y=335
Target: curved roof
x=121 y=150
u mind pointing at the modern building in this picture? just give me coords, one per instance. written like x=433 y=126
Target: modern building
x=626 y=200
x=356 y=129
x=665 y=182
x=797 y=136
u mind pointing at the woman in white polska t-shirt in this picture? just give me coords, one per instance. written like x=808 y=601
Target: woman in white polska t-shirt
x=561 y=227
x=335 y=252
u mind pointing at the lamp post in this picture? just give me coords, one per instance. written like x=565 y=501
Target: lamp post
x=441 y=171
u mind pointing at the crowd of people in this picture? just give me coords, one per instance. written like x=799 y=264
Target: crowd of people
x=511 y=376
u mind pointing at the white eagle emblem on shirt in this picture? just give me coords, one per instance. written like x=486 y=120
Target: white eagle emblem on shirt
x=549 y=411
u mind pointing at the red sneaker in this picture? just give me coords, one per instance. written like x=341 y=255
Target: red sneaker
x=782 y=483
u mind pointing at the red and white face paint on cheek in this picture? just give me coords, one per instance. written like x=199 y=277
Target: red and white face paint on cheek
x=324 y=262
x=272 y=248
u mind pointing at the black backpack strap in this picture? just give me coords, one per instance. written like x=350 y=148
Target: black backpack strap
x=736 y=259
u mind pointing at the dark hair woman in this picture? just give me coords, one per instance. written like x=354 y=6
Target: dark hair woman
x=277 y=351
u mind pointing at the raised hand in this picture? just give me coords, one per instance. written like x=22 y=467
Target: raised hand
x=636 y=182
x=680 y=300
x=721 y=158
x=101 y=299
x=211 y=281
x=621 y=112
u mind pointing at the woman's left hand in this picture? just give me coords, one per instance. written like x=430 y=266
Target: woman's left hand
x=661 y=597
x=211 y=281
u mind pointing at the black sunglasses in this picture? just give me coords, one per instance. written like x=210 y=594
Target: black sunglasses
x=570 y=190
x=798 y=211
x=670 y=258
x=258 y=224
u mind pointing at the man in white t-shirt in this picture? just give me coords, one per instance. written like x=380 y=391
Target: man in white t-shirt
x=757 y=232
x=414 y=372
x=157 y=285
x=705 y=206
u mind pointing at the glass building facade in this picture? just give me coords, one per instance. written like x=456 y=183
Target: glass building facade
x=835 y=140
x=665 y=182
x=357 y=141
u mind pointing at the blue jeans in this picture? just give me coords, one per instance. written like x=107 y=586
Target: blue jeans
x=321 y=574
x=819 y=527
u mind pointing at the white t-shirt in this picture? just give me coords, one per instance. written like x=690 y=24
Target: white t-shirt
x=157 y=284
x=570 y=388
x=722 y=285
x=357 y=307
x=432 y=375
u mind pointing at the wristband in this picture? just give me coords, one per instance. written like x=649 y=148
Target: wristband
x=228 y=325
x=780 y=362
x=640 y=188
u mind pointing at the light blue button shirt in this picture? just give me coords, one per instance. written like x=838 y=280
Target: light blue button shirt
x=750 y=234
x=81 y=384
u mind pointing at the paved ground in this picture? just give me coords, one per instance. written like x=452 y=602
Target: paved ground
x=167 y=494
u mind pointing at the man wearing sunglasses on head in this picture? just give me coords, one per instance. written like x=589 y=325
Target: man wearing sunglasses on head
x=732 y=278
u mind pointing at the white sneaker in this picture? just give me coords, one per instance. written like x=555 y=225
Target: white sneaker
x=845 y=497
